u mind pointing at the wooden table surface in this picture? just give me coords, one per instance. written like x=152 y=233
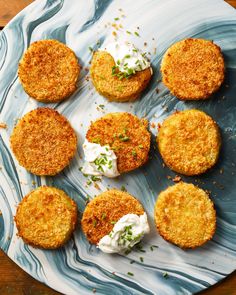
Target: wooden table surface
x=13 y=280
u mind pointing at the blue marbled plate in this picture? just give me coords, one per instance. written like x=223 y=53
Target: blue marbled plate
x=78 y=268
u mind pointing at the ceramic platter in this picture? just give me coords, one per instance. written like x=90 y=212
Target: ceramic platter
x=79 y=268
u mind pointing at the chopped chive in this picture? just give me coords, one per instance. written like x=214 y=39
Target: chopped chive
x=96 y=140
x=125 y=138
x=116 y=18
x=137 y=34
x=104 y=215
x=151 y=247
x=130 y=273
x=127 y=56
x=128 y=32
x=123 y=188
x=165 y=275
x=140 y=146
x=89 y=182
x=113 y=222
x=141 y=259
x=135 y=50
x=91 y=48
x=134 y=153
x=127 y=251
x=101 y=106
x=94 y=178
x=80 y=168
x=94 y=222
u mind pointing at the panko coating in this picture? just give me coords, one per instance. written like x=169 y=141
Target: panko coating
x=185 y=215
x=48 y=71
x=189 y=142
x=46 y=218
x=43 y=141
x=193 y=69
x=126 y=134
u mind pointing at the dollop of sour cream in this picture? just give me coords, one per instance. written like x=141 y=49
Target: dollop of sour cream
x=127 y=57
x=99 y=160
x=127 y=232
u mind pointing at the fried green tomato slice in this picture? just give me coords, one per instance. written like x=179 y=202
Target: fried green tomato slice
x=193 y=69
x=189 y=142
x=104 y=210
x=126 y=134
x=48 y=71
x=43 y=141
x=185 y=215
x=46 y=218
x=111 y=86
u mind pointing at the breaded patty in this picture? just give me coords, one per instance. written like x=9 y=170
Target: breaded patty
x=43 y=141
x=126 y=134
x=49 y=71
x=110 y=86
x=189 y=142
x=101 y=213
x=185 y=215
x=46 y=218
x=193 y=69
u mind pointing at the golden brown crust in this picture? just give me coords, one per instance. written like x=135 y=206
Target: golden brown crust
x=189 y=142
x=193 y=69
x=101 y=213
x=126 y=134
x=49 y=71
x=46 y=218
x=43 y=142
x=185 y=215
x=110 y=86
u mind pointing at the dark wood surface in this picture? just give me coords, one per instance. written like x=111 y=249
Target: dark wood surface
x=13 y=280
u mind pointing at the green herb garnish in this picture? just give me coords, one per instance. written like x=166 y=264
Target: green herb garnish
x=124 y=138
x=95 y=222
x=165 y=275
x=134 y=153
x=96 y=140
x=103 y=216
x=130 y=273
x=95 y=178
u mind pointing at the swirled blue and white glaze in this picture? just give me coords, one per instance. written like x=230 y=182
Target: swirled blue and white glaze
x=78 y=267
